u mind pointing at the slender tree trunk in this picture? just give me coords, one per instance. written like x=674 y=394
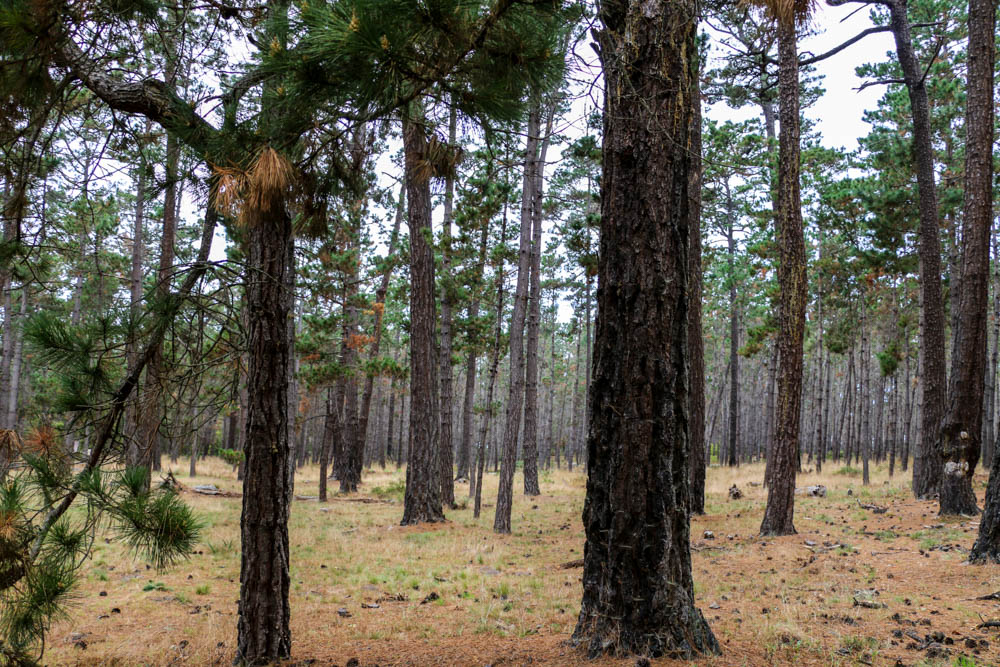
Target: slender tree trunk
x=326 y=442
x=696 y=343
x=530 y=449
x=132 y=456
x=152 y=408
x=445 y=456
x=908 y=415
x=734 y=335
x=16 y=361
x=422 y=500
x=515 y=396
x=989 y=398
x=380 y=293
x=865 y=394
x=491 y=377
x=793 y=285
x=638 y=592
x=821 y=388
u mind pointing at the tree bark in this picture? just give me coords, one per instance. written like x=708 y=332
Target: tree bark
x=793 y=291
x=530 y=448
x=132 y=457
x=696 y=343
x=151 y=416
x=263 y=634
x=926 y=466
x=962 y=426
x=638 y=592
x=422 y=500
x=445 y=455
x=515 y=395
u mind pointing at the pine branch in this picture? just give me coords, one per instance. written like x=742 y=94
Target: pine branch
x=109 y=425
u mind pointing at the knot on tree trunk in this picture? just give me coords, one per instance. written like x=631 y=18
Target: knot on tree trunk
x=956 y=468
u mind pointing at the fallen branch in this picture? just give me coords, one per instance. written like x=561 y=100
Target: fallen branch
x=377 y=501
x=874 y=509
x=572 y=564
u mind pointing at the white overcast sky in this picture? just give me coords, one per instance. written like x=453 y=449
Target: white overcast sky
x=839 y=112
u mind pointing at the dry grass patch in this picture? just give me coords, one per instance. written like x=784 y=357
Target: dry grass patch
x=456 y=594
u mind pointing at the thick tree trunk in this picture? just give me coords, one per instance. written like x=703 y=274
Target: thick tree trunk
x=962 y=426
x=422 y=500
x=638 y=593
x=262 y=626
x=926 y=464
x=515 y=395
x=792 y=305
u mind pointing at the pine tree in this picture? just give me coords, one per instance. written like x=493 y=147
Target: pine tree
x=638 y=594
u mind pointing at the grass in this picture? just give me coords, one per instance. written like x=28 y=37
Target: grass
x=506 y=599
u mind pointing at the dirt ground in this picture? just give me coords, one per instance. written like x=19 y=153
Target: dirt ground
x=852 y=588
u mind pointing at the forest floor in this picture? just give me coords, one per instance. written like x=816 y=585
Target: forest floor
x=456 y=594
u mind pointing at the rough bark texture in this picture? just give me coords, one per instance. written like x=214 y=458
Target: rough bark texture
x=422 y=500
x=962 y=426
x=515 y=394
x=262 y=628
x=792 y=299
x=350 y=442
x=926 y=463
x=696 y=345
x=638 y=593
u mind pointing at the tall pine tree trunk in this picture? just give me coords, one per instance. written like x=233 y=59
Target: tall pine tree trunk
x=263 y=634
x=734 y=334
x=445 y=455
x=515 y=395
x=696 y=344
x=638 y=592
x=534 y=322
x=793 y=287
x=422 y=500
x=926 y=464
x=962 y=426
x=468 y=403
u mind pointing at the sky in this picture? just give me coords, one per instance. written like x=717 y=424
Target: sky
x=839 y=112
